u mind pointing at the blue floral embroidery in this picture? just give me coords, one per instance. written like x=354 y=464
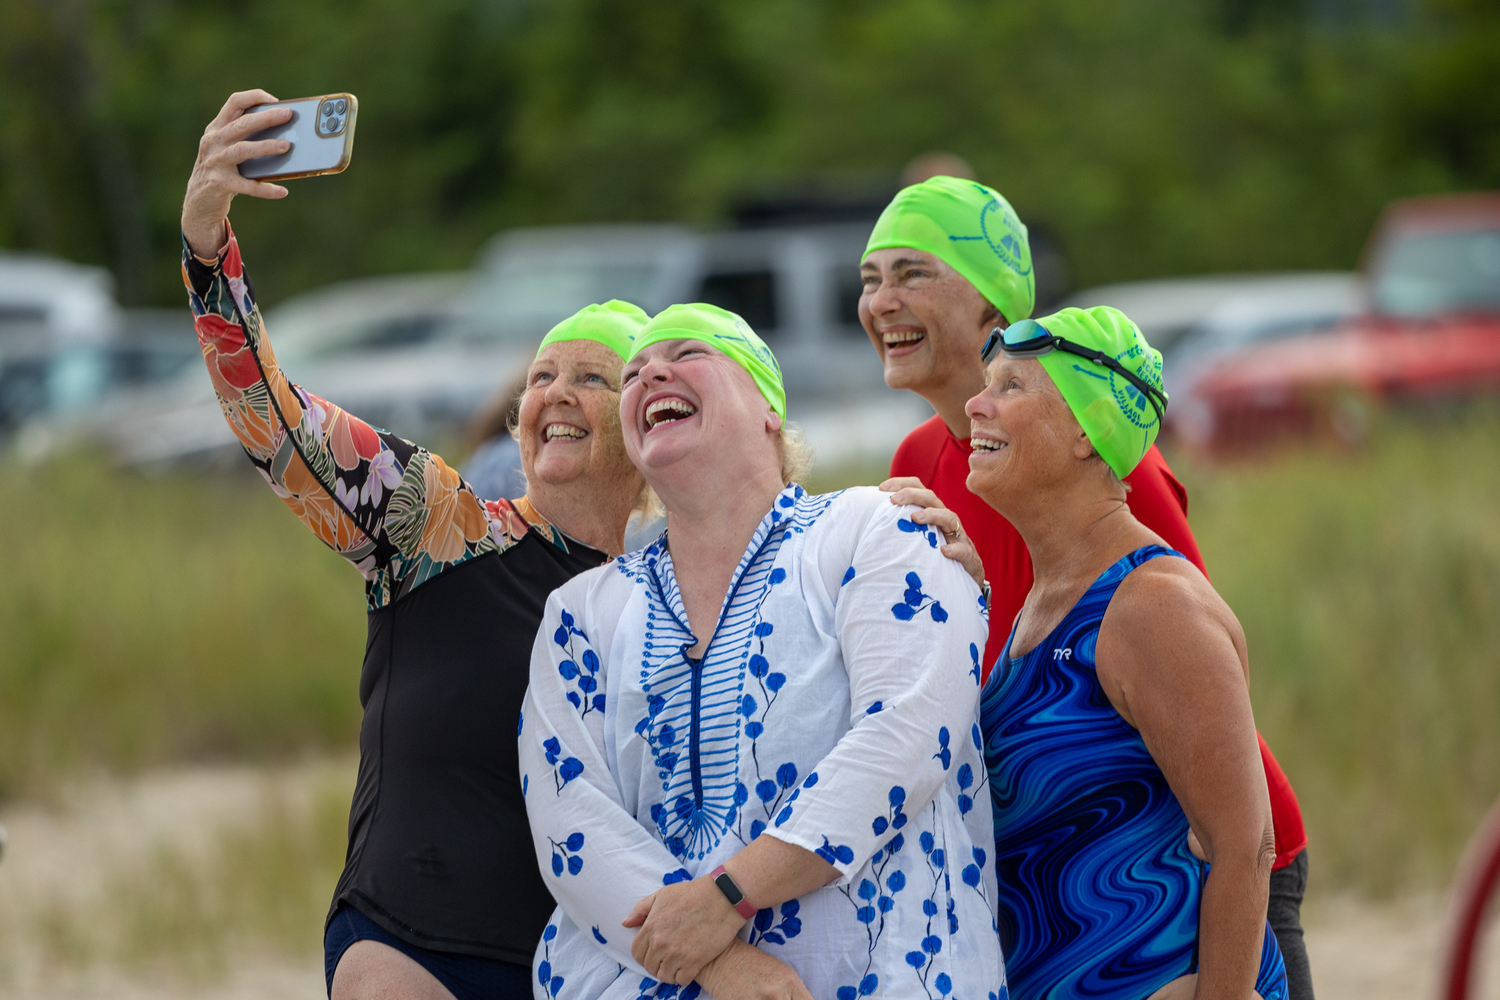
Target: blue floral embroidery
x=680 y=875
x=911 y=527
x=697 y=710
x=944 y=754
x=871 y=909
x=965 y=776
x=895 y=819
x=914 y=601
x=767 y=929
x=568 y=849
x=973 y=874
x=565 y=769
x=931 y=945
x=974 y=656
x=835 y=853
x=550 y=983
x=588 y=697
x=848 y=575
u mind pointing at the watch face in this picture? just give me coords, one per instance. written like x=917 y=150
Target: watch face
x=729 y=889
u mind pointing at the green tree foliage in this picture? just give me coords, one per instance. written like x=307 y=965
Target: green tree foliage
x=1156 y=137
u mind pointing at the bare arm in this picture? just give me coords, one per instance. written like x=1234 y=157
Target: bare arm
x=744 y=972
x=683 y=924
x=1172 y=659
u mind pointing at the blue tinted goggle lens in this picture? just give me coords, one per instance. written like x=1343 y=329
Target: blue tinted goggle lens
x=1024 y=337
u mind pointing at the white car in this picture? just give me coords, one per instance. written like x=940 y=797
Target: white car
x=54 y=319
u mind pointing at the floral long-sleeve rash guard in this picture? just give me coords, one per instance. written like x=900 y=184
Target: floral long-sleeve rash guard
x=398 y=512
x=834 y=708
x=439 y=848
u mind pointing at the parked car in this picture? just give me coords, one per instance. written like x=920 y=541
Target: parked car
x=54 y=319
x=797 y=285
x=1432 y=332
x=1167 y=308
x=382 y=347
x=421 y=354
x=1277 y=309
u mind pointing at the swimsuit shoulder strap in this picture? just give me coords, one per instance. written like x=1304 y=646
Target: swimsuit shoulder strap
x=1088 y=613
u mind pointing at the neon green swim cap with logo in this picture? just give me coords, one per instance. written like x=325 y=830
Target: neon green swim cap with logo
x=1118 y=418
x=725 y=331
x=615 y=324
x=973 y=230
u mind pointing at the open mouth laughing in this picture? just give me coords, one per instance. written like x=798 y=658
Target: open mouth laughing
x=668 y=410
x=897 y=340
x=985 y=445
x=563 y=432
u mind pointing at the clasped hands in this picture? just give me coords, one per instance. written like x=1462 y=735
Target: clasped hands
x=688 y=931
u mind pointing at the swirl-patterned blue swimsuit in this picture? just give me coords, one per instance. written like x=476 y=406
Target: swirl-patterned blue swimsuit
x=1098 y=891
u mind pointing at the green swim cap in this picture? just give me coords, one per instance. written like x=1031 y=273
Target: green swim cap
x=970 y=228
x=1120 y=421
x=724 y=330
x=615 y=324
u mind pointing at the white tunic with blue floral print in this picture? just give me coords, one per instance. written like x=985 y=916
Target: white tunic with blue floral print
x=834 y=708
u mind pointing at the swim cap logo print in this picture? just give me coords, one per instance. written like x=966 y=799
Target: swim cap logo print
x=1118 y=418
x=940 y=215
x=1010 y=247
x=752 y=343
x=1133 y=403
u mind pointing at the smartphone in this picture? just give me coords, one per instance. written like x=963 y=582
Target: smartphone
x=321 y=131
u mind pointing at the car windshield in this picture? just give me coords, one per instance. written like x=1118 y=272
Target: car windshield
x=1432 y=273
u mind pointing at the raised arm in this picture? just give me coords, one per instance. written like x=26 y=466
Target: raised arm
x=394 y=510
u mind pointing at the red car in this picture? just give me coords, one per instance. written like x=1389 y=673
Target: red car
x=1432 y=331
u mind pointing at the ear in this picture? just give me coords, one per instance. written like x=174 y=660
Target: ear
x=773 y=421
x=1083 y=448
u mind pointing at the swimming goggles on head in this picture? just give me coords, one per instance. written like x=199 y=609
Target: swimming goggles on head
x=1029 y=339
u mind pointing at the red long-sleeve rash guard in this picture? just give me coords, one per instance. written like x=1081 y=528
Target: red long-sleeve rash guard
x=932 y=454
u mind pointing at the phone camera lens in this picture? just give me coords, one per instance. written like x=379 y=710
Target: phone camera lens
x=328 y=107
x=341 y=106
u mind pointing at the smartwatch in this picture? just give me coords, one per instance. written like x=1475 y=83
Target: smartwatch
x=732 y=892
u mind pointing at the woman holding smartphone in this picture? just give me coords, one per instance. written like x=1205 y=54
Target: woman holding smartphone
x=440 y=898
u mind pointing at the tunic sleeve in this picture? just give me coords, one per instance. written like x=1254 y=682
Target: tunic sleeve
x=598 y=861
x=910 y=624
x=394 y=510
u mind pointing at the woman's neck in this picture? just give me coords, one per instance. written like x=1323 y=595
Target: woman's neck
x=595 y=513
x=702 y=522
x=1069 y=531
x=709 y=526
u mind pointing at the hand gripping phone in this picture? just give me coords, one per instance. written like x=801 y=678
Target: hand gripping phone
x=321 y=131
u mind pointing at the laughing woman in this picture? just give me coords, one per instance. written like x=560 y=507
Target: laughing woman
x=1134 y=842
x=438 y=898
x=751 y=749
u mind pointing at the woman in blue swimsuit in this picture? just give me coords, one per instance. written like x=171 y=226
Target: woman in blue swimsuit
x=1133 y=828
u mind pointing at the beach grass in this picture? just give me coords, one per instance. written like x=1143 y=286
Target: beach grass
x=151 y=619
x=1368 y=584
